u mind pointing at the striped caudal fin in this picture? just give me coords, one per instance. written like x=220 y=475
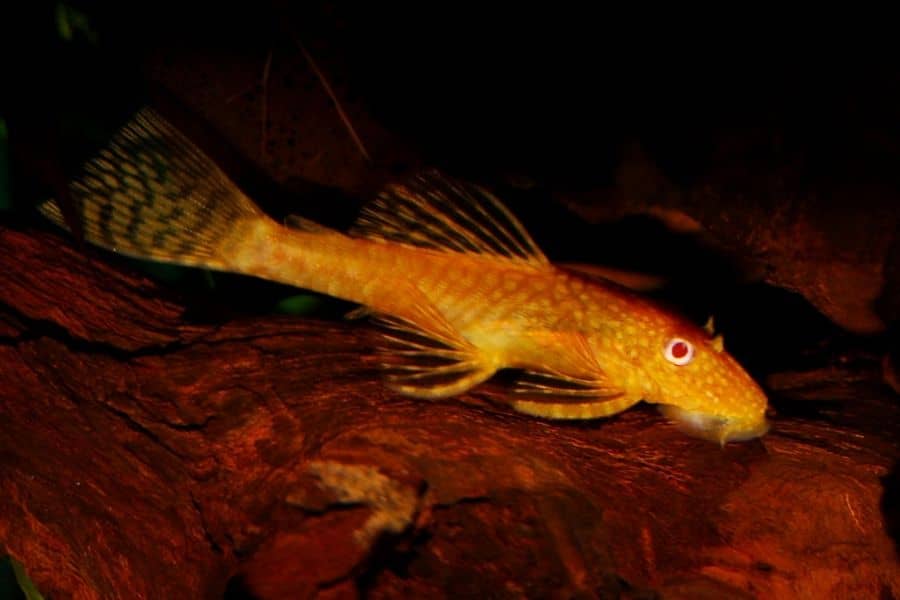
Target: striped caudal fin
x=151 y=193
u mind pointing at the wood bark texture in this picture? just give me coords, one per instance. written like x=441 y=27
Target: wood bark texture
x=145 y=454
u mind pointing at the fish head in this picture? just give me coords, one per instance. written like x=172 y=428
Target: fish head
x=699 y=385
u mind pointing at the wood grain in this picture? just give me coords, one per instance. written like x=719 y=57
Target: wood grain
x=143 y=455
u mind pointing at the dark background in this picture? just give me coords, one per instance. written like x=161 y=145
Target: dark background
x=541 y=103
x=745 y=117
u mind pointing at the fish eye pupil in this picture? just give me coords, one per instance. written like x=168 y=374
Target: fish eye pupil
x=679 y=352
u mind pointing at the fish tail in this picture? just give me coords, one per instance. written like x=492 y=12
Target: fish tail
x=152 y=194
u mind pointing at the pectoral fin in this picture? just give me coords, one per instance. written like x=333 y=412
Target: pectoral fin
x=583 y=391
x=601 y=407
x=548 y=384
x=570 y=370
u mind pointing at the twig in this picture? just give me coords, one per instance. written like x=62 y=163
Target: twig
x=334 y=99
x=264 y=137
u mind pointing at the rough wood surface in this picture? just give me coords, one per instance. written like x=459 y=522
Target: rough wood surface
x=144 y=456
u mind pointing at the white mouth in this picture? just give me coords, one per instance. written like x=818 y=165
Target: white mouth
x=713 y=427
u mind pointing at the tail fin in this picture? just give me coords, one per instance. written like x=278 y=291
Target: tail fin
x=151 y=193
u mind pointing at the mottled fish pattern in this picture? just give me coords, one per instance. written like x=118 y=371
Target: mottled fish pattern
x=454 y=279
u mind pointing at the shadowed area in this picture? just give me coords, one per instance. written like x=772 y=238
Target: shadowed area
x=168 y=432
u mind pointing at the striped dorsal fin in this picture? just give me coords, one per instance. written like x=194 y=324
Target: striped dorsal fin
x=432 y=210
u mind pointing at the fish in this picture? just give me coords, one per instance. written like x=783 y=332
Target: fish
x=457 y=285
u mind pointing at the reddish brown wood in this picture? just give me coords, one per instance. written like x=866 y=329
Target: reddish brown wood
x=143 y=456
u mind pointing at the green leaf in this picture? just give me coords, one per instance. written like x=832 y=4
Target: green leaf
x=15 y=583
x=164 y=272
x=71 y=22
x=301 y=304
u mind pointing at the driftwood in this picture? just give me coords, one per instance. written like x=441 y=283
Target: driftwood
x=144 y=456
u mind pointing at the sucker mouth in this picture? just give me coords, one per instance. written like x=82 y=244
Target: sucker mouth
x=714 y=428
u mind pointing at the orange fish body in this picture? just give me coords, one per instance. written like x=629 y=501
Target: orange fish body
x=460 y=287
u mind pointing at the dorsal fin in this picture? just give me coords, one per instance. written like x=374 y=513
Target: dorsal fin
x=433 y=210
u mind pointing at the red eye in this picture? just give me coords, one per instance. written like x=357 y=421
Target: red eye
x=679 y=351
